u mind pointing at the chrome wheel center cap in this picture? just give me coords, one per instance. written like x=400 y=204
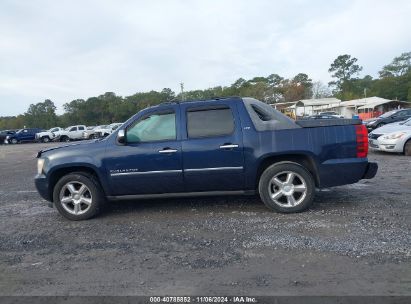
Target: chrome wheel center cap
x=76 y=197
x=288 y=188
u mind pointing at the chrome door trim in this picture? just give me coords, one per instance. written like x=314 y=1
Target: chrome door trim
x=145 y=172
x=213 y=169
x=168 y=151
x=230 y=146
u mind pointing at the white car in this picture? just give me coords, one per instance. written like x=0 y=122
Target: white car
x=398 y=142
x=107 y=130
x=49 y=135
x=92 y=133
x=72 y=133
x=390 y=128
x=331 y=113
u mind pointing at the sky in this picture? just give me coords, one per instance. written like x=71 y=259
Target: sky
x=65 y=50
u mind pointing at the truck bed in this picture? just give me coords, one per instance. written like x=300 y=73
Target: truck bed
x=313 y=123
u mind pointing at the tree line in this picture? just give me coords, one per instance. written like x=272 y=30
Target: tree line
x=393 y=82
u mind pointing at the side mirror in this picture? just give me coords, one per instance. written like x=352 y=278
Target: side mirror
x=121 y=137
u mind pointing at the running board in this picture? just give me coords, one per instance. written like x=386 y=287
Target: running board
x=182 y=194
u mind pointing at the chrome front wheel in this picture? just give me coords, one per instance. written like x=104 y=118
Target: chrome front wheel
x=76 y=198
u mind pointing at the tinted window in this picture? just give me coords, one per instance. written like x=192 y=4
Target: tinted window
x=155 y=127
x=81 y=128
x=212 y=122
x=73 y=129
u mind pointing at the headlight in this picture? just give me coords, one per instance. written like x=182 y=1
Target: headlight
x=394 y=135
x=40 y=165
x=7 y=137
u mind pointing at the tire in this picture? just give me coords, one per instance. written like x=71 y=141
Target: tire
x=290 y=183
x=14 y=141
x=407 y=148
x=82 y=200
x=65 y=139
x=45 y=139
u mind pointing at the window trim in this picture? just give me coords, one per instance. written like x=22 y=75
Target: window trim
x=159 y=112
x=210 y=108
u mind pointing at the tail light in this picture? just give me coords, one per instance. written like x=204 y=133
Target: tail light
x=362 y=141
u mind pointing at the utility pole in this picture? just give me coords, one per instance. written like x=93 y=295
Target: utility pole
x=182 y=90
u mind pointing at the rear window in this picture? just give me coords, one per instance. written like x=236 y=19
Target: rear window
x=209 y=122
x=265 y=117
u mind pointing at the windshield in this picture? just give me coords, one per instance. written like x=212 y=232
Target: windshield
x=407 y=122
x=388 y=114
x=67 y=129
x=53 y=129
x=100 y=127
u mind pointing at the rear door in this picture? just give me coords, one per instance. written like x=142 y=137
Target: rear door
x=79 y=133
x=212 y=147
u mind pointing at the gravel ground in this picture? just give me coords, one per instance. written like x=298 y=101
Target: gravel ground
x=354 y=241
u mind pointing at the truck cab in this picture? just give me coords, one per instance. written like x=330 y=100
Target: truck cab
x=72 y=133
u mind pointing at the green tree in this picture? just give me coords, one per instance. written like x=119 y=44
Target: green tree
x=399 y=66
x=42 y=115
x=343 y=69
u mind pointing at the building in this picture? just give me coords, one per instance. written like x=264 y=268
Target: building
x=369 y=107
x=307 y=107
x=365 y=108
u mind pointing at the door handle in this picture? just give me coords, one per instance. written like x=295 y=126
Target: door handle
x=228 y=146
x=167 y=150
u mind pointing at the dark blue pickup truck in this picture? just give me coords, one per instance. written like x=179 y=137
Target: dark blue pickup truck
x=23 y=135
x=201 y=148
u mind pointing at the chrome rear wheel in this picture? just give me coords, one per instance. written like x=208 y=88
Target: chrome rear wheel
x=287 y=189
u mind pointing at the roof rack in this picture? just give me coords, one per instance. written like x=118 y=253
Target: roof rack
x=175 y=100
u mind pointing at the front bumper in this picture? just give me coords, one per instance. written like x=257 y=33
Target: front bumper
x=370 y=171
x=42 y=187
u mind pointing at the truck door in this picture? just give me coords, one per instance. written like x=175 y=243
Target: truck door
x=212 y=147
x=25 y=135
x=150 y=162
x=79 y=133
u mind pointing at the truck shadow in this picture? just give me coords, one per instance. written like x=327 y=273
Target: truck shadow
x=324 y=200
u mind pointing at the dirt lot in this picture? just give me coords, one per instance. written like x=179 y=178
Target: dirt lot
x=356 y=240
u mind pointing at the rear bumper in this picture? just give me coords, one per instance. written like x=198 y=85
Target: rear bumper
x=338 y=172
x=42 y=187
x=371 y=171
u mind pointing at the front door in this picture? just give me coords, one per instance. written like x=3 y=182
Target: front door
x=212 y=148
x=150 y=162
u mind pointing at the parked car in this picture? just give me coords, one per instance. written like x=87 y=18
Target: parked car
x=23 y=135
x=332 y=113
x=399 y=142
x=4 y=134
x=71 y=133
x=387 y=129
x=91 y=133
x=49 y=135
x=387 y=118
x=103 y=132
x=216 y=147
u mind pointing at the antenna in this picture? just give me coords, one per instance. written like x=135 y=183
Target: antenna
x=182 y=91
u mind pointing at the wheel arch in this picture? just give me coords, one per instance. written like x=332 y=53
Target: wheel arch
x=85 y=169
x=305 y=160
x=408 y=141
